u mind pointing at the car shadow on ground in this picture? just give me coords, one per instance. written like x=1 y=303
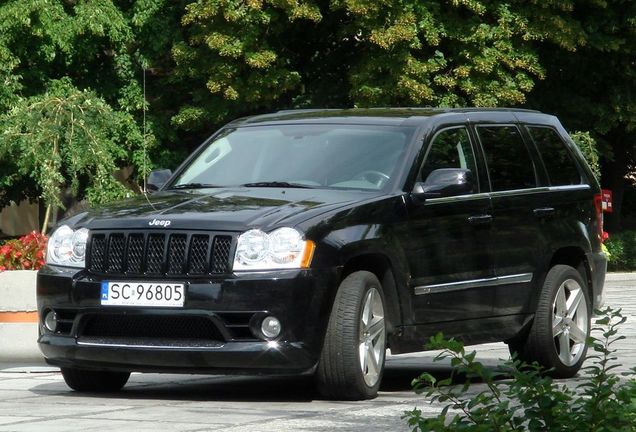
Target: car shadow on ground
x=239 y=388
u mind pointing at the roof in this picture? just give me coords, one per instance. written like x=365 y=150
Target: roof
x=380 y=116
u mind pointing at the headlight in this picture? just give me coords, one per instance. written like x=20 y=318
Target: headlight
x=67 y=247
x=283 y=248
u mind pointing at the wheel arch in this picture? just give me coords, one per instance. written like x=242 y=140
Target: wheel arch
x=380 y=265
x=575 y=257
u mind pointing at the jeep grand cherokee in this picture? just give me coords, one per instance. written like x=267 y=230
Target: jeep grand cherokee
x=309 y=242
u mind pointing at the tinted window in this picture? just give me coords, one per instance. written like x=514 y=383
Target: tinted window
x=450 y=149
x=509 y=163
x=561 y=167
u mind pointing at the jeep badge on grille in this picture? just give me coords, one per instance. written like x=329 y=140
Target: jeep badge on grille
x=159 y=222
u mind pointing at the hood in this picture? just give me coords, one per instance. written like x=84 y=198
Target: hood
x=222 y=209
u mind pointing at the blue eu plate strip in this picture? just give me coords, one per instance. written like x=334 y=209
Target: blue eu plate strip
x=104 y=290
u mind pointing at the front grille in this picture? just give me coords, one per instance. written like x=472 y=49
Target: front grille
x=152 y=253
x=148 y=327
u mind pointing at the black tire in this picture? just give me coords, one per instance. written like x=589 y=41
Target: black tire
x=94 y=381
x=539 y=344
x=339 y=374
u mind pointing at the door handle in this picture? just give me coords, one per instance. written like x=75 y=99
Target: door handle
x=480 y=219
x=544 y=212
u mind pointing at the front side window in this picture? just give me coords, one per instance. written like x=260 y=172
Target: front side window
x=331 y=156
x=450 y=148
x=509 y=162
x=562 y=169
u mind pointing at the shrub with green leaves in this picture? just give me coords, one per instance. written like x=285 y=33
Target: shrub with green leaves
x=523 y=397
x=589 y=149
x=622 y=249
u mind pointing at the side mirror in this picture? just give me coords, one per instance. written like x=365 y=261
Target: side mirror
x=157 y=178
x=445 y=182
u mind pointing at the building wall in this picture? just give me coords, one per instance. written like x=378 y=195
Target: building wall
x=17 y=220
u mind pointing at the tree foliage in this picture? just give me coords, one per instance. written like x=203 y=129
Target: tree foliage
x=208 y=61
x=65 y=136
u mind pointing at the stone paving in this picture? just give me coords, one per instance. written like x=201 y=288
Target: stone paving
x=35 y=398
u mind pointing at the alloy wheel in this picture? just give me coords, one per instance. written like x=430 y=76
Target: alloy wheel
x=372 y=345
x=570 y=321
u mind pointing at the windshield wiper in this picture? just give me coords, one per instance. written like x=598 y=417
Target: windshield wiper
x=277 y=184
x=194 y=186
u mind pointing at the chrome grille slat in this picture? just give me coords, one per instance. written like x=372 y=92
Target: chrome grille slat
x=170 y=253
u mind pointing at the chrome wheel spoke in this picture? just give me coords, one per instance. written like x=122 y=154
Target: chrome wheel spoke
x=367 y=311
x=372 y=364
x=574 y=302
x=362 y=353
x=557 y=326
x=376 y=327
x=564 y=348
x=560 y=302
x=577 y=334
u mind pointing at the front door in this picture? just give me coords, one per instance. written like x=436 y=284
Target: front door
x=448 y=248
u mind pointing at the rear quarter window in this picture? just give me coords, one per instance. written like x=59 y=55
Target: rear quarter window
x=558 y=161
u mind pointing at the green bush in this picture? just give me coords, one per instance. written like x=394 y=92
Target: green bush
x=530 y=400
x=622 y=249
x=588 y=147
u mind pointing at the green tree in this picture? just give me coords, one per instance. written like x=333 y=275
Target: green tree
x=594 y=88
x=238 y=58
x=66 y=137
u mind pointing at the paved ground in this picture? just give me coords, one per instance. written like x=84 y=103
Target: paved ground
x=38 y=400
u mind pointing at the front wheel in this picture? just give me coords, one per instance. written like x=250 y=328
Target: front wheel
x=352 y=359
x=94 y=381
x=561 y=326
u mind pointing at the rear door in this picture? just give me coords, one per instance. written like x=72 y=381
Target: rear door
x=519 y=204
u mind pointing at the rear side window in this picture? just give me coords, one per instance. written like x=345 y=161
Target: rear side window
x=509 y=163
x=561 y=167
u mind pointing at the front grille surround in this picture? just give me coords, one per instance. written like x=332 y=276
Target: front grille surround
x=167 y=253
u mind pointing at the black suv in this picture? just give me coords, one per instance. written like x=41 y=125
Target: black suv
x=308 y=242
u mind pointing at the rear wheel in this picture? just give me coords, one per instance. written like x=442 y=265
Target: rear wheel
x=352 y=359
x=561 y=326
x=94 y=381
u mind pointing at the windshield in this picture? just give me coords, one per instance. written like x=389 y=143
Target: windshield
x=332 y=156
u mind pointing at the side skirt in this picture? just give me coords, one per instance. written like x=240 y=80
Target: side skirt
x=484 y=330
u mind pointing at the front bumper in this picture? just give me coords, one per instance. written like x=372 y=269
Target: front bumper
x=230 y=308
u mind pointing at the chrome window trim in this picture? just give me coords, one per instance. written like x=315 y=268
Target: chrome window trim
x=581 y=186
x=457 y=198
x=475 y=283
x=529 y=191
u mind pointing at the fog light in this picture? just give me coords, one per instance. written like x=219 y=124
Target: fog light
x=271 y=327
x=50 y=321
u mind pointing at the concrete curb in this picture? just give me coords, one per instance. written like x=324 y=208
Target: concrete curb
x=18 y=317
x=17 y=291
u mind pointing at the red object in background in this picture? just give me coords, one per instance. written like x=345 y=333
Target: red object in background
x=606 y=200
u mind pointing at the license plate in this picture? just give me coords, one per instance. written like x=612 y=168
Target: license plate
x=152 y=294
